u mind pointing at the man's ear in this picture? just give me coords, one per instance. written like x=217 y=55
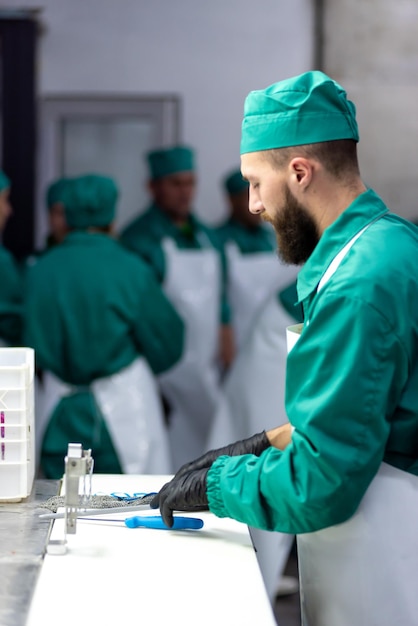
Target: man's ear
x=301 y=173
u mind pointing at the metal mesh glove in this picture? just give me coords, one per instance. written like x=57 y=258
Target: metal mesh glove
x=256 y=444
x=187 y=493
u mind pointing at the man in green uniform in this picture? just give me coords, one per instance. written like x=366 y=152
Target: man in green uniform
x=96 y=317
x=189 y=262
x=343 y=476
x=10 y=283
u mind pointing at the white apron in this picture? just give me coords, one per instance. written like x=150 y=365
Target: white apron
x=252 y=278
x=364 y=572
x=130 y=405
x=254 y=390
x=193 y=285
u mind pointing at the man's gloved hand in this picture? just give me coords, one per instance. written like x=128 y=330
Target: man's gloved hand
x=253 y=445
x=187 y=493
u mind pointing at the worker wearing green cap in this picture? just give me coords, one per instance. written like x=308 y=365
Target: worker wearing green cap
x=343 y=475
x=188 y=261
x=57 y=224
x=250 y=248
x=10 y=283
x=101 y=328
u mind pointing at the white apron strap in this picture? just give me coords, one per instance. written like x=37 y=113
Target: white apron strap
x=293 y=332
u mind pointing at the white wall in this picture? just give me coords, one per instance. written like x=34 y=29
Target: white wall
x=211 y=53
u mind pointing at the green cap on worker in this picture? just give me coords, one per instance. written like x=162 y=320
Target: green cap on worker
x=55 y=191
x=90 y=201
x=169 y=161
x=4 y=181
x=305 y=109
x=234 y=183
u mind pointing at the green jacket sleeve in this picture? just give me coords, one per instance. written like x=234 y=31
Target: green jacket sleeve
x=345 y=377
x=160 y=329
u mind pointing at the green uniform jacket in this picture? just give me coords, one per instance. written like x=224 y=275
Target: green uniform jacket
x=249 y=240
x=351 y=387
x=145 y=235
x=91 y=308
x=10 y=299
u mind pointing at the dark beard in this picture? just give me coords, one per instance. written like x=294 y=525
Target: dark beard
x=296 y=231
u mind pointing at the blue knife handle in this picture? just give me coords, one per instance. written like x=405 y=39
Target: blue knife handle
x=156 y=521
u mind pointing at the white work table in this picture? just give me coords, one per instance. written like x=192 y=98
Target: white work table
x=112 y=574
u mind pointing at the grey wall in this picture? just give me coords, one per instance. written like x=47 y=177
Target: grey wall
x=371 y=47
x=211 y=53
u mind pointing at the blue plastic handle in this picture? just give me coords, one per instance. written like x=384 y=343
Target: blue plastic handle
x=156 y=521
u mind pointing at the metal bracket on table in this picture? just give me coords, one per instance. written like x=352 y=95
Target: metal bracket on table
x=78 y=465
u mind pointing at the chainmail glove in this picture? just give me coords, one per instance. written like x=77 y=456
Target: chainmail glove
x=186 y=493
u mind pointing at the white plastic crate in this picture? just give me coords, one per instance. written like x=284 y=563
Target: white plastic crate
x=17 y=432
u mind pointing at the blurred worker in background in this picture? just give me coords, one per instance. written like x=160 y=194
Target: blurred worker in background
x=100 y=325
x=254 y=272
x=10 y=280
x=57 y=223
x=344 y=475
x=187 y=259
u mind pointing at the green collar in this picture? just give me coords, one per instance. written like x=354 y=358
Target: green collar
x=167 y=225
x=366 y=208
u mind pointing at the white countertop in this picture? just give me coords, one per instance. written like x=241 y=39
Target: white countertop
x=112 y=574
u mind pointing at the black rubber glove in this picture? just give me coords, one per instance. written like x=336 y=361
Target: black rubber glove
x=187 y=493
x=253 y=445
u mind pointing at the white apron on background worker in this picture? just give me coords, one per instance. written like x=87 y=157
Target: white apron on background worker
x=130 y=404
x=192 y=283
x=189 y=262
x=252 y=278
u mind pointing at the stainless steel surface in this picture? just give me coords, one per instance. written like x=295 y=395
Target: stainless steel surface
x=23 y=540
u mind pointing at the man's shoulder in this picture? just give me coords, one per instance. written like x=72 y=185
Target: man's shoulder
x=139 y=224
x=6 y=256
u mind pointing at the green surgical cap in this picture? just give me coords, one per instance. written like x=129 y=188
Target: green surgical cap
x=4 y=181
x=55 y=192
x=170 y=161
x=89 y=201
x=305 y=109
x=235 y=183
